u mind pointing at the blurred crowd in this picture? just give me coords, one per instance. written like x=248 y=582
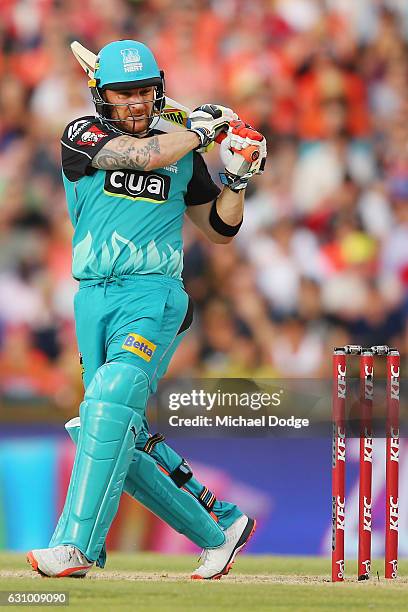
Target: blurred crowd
x=322 y=257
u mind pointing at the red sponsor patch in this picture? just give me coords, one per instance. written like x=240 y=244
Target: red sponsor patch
x=91 y=137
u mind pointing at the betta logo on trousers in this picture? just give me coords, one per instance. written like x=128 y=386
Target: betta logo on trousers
x=139 y=346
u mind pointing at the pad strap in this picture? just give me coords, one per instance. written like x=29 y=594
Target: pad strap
x=207 y=499
x=152 y=441
x=181 y=474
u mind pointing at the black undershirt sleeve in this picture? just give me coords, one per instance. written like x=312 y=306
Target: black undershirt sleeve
x=201 y=188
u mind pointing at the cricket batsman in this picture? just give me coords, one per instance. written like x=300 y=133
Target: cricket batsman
x=128 y=187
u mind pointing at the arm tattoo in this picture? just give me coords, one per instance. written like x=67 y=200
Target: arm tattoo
x=126 y=152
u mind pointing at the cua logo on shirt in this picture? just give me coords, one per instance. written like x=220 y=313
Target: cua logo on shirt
x=137 y=185
x=139 y=346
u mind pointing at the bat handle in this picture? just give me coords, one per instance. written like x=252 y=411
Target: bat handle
x=221 y=136
x=250 y=154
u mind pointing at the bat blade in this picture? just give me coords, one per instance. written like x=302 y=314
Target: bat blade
x=175 y=113
x=86 y=58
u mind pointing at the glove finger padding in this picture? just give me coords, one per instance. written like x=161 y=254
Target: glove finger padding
x=249 y=142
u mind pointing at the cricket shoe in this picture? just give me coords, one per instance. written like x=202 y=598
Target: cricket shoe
x=217 y=562
x=59 y=561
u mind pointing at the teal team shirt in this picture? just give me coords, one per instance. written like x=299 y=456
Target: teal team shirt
x=127 y=222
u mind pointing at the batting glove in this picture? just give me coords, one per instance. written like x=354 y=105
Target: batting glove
x=243 y=153
x=208 y=121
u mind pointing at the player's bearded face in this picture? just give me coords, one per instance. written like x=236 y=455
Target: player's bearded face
x=133 y=108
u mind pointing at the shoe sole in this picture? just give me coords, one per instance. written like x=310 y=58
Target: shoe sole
x=70 y=573
x=246 y=535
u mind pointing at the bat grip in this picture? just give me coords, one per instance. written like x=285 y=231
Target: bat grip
x=221 y=136
x=250 y=154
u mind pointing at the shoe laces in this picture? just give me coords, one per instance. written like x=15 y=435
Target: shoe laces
x=71 y=552
x=67 y=553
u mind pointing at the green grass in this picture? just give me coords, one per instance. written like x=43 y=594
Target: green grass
x=149 y=582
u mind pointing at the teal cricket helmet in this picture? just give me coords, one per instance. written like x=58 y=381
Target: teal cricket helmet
x=126 y=64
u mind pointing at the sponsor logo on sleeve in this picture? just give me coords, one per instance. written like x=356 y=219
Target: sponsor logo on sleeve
x=138 y=185
x=139 y=346
x=76 y=128
x=91 y=137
